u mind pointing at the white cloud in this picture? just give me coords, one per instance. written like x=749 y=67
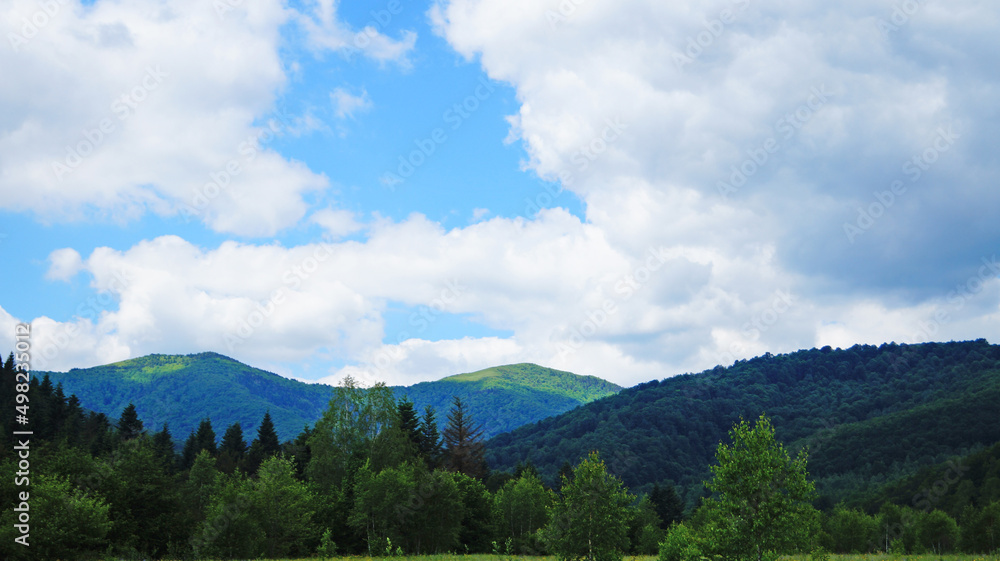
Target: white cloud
x=337 y=223
x=324 y=31
x=810 y=105
x=64 y=264
x=124 y=108
x=345 y=104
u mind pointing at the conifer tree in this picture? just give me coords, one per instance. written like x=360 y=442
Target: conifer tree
x=232 y=449
x=268 y=437
x=667 y=504
x=163 y=448
x=409 y=423
x=264 y=446
x=463 y=440
x=429 y=445
x=129 y=424
x=201 y=439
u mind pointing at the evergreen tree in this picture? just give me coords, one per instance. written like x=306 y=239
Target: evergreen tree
x=667 y=504
x=232 y=449
x=163 y=448
x=268 y=437
x=429 y=445
x=264 y=446
x=129 y=424
x=201 y=439
x=408 y=421
x=464 y=450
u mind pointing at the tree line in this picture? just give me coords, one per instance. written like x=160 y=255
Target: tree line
x=375 y=477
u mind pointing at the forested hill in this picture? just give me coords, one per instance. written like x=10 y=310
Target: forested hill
x=184 y=389
x=505 y=397
x=869 y=414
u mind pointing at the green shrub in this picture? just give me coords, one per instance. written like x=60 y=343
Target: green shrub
x=819 y=554
x=681 y=544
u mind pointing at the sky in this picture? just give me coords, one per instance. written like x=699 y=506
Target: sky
x=403 y=190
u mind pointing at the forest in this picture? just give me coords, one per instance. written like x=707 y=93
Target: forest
x=376 y=476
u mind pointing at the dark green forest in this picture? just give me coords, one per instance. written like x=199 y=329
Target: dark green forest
x=869 y=415
x=900 y=443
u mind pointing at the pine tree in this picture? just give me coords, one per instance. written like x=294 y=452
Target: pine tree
x=163 y=448
x=268 y=437
x=408 y=421
x=129 y=424
x=429 y=445
x=463 y=439
x=232 y=449
x=264 y=446
x=201 y=439
x=667 y=504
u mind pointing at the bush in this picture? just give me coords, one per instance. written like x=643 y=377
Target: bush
x=327 y=547
x=681 y=544
x=819 y=554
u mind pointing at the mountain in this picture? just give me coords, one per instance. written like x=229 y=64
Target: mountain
x=870 y=415
x=503 y=398
x=183 y=389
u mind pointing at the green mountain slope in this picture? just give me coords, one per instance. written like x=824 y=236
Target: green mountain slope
x=182 y=390
x=503 y=398
x=869 y=414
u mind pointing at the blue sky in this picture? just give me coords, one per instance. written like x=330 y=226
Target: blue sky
x=624 y=189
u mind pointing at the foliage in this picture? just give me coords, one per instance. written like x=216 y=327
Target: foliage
x=521 y=508
x=180 y=390
x=350 y=432
x=868 y=414
x=66 y=522
x=281 y=505
x=589 y=517
x=851 y=531
x=680 y=544
x=761 y=496
x=463 y=441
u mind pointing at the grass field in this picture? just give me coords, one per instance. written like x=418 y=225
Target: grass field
x=833 y=557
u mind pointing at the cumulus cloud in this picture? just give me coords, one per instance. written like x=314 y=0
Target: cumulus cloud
x=64 y=264
x=124 y=108
x=757 y=178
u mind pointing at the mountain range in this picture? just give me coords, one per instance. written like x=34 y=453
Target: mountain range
x=183 y=389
